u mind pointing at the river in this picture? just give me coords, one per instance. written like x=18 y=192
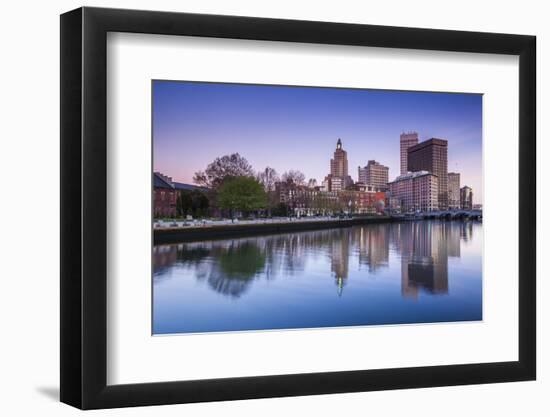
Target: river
x=389 y=273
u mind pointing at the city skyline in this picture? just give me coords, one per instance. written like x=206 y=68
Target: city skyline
x=302 y=124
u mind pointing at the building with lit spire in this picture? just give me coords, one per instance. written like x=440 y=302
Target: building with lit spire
x=339 y=178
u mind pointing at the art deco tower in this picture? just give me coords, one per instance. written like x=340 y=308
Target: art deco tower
x=338 y=178
x=339 y=164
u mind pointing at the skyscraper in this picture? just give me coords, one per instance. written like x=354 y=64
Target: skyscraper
x=453 y=185
x=338 y=179
x=339 y=164
x=406 y=140
x=431 y=156
x=466 y=198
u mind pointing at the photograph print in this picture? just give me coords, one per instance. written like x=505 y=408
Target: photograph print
x=297 y=207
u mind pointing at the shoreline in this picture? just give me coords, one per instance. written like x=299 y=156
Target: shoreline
x=191 y=234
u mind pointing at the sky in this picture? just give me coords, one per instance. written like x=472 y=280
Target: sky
x=288 y=127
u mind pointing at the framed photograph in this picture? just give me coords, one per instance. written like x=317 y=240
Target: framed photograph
x=257 y=208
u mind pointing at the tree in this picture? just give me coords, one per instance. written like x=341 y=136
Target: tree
x=280 y=209
x=245 y=194
x=268 y=177
x=184 y=203
x=192 y=202
x=312 y=183
x=220 y=169
x=294 y=176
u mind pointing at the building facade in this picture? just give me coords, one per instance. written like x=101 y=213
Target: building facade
x=406 y=140
x=466 y=198
x=338 y=178
x=164 y=196
x=362 y=202
x=374 y=174
x=431 y=156
x=416 y=191
x=339 y=163
x=453 y=187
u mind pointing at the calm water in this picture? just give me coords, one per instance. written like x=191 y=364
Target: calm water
x=410 y=272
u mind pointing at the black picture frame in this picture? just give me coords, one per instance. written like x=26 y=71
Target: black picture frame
x=84 y=207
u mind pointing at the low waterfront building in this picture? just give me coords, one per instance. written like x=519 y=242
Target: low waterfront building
x=416 y=191
x=466 y=198
x=164 y=196
x=362 y=202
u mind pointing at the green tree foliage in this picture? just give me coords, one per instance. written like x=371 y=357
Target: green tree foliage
x=280 y=209
x=242 y=193
x=192 y=202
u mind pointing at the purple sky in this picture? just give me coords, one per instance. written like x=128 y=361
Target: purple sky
x=297 y=127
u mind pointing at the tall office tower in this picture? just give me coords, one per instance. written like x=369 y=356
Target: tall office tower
x=453 y=186
x=406 y=140
x=339 y=164
x=339 y=179
x=466 y=198
x=431 y=156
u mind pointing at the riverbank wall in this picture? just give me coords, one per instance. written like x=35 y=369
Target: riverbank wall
x=189 y=234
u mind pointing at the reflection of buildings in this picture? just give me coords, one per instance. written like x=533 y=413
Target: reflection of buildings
x=231 y=266
x=424 y=264
x=339 y=258
x=374 y=246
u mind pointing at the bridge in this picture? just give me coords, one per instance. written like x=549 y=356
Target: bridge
x=445 y=214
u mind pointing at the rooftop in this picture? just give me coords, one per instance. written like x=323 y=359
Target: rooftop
x=429 y=142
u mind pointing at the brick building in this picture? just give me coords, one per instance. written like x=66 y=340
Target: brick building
x=164 y=196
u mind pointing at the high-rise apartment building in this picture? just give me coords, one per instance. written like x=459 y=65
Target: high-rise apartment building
x=375 y=175
x=466 y=198
x=431 y=156
x=416 y=191
x=453 y=187
x=406 y=140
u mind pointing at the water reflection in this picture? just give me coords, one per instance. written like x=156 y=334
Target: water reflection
x=410 y=272
x=229 y=266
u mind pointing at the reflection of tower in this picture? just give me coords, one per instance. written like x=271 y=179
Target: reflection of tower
x=426 y=267
x=340 y=259
x=466 y=231
x=452 y=236
x=374 y=246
